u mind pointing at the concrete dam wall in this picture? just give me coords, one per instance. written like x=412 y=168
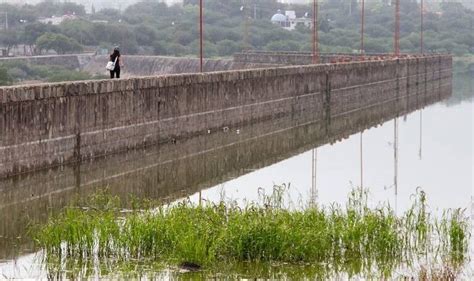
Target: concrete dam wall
x=53 y=124
x=175 y=170
x=301 y=58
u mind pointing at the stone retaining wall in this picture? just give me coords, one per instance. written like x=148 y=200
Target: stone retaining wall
x=52 y=124
x=302 y=58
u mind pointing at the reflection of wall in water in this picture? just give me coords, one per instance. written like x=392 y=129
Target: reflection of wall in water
x=463 y=89
x=176 y=170
x=54 y=124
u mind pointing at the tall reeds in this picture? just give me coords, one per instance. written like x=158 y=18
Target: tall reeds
x=355 y=239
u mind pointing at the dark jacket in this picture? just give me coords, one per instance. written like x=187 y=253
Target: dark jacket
x=117 y=64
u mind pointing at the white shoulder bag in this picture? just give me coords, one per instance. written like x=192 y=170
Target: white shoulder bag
x=111 y=64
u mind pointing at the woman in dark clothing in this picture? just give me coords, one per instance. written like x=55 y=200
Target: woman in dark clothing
x=115 y=56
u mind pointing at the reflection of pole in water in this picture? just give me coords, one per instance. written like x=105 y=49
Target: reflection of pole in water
x=421 y=135
x=361 y=161
x=314 y=166
x=395 y=159
x=472 y=222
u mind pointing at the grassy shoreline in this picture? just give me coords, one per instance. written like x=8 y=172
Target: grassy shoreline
x=355 y=239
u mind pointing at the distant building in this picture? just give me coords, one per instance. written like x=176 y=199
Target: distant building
x=289 y=21
x=294 y=1
x=172 y=2
x=57 y=20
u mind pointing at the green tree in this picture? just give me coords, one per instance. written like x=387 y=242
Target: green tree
x=227 y=48
x=5 y=79
x=80 y=30
x=160 y=48
x=282 y=45
x=58 y=42
x=150 y=26
x=145 y=35
x=9 y=39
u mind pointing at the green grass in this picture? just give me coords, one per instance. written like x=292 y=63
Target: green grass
x=354 y=239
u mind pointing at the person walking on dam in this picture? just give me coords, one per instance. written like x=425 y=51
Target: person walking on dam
x=115 y=63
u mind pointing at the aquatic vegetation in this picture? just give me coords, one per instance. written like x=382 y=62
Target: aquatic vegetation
x=354 y=239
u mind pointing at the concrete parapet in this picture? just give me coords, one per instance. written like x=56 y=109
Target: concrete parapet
x=304 y=58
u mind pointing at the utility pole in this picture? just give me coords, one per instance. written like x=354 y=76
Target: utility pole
x=246 y=11
x=421 y=25
x=201 y=35
x=396 y=39
x=362 y=26
x=315 y=55
x=395 y=160
x=254 y=10
x=361 y=160
x=420 y=152
x=6 y=20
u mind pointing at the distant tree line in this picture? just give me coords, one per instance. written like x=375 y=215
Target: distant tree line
x=151 y=27
x=17 y=72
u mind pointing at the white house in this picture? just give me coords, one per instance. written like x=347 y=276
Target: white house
x=290 y=21
x=57 y=20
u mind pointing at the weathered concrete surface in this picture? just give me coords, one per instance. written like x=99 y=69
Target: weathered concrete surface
x=175 y=170
x=53 y=124
x=283 y=58
x=301 y=58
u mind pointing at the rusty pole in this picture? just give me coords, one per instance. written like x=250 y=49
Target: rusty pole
x=314 y=190
x=361 y=160
x=315 y=55
x=201 y=35
x=421 y=26
x=362 y=27
x=246 y=26
x=396 y=39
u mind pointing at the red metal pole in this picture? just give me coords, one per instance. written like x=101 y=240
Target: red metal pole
x=246 y=27
x=315 y=55
x=201 y=35
x=396 y=39
x=421 y=26
x=362 y=27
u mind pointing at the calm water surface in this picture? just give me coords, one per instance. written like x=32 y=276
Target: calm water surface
x=435 y=153
x=431 y=148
